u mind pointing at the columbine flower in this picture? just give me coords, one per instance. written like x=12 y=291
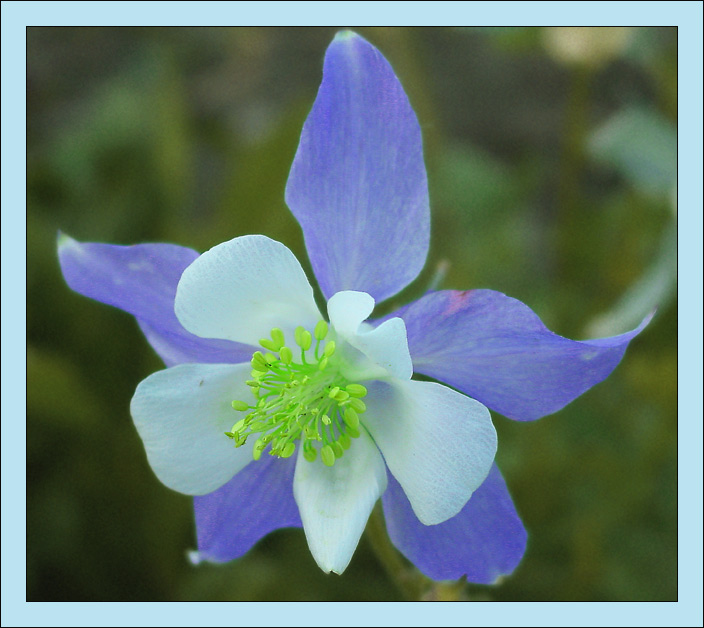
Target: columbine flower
x=272 y=417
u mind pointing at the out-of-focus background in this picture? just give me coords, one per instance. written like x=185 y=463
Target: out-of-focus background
x=551 y=157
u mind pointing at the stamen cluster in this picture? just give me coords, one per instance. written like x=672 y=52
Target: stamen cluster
x=306 y=399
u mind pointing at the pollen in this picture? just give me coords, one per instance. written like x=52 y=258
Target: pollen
x=301 y=399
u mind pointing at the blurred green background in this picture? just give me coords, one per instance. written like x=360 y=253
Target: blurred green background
x=551 y=156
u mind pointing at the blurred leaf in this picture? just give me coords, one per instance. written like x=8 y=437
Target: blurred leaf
x=125 y=155
x=474 y=182
x=653 y=290
x=642 y=146
x=648 y=45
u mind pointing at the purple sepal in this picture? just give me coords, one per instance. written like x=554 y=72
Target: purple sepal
x=258 y=500
x=142 y=279
x=484 y=541
x=496 y=350
x=358 y=185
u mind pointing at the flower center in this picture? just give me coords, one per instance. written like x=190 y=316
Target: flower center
x=306 y=399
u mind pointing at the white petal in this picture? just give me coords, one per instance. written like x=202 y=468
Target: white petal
x=347 y=310
x=335 y=502
x=182 y=414
x=385 y=346
x=438 y=443
x=241 y=289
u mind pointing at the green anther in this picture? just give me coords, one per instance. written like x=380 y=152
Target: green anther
x=288 y=450
x=286 y=355
x=239 y=425
x=268 y=344
x=358 y=405
x=356 y=390
x=353 y=432
x=310 y=454
x=327 y=455
x=341 y=396
x=258 y=368
x=297 y=334
x=259 y=364
x=303 y=338
x=278 y=338
x=258 y=449
x=302 y=398
x=321 y=330
x=351 y=418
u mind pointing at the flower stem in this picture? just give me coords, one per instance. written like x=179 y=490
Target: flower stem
x=412 y=584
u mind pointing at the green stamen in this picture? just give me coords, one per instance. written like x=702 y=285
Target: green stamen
x=286 y=355
x=321 y=330
x=345 y=440
x=303 y=338
x=277 y=337
x=268 y=344
x=327 y=455
x=356 y=390
x=306 y=400
x=350 y=417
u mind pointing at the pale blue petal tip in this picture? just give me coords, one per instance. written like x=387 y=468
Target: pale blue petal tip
x=345 y=35
x=194 y=557
x=63 y=240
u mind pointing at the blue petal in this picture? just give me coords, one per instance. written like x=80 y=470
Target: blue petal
x=485 y=540
x=496 y=350
x=358 y=185
x=258 y=500
x=142 y=280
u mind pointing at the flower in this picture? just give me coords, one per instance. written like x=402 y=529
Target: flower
x=254 y=368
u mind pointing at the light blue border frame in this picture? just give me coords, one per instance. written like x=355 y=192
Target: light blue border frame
x=687 y=16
